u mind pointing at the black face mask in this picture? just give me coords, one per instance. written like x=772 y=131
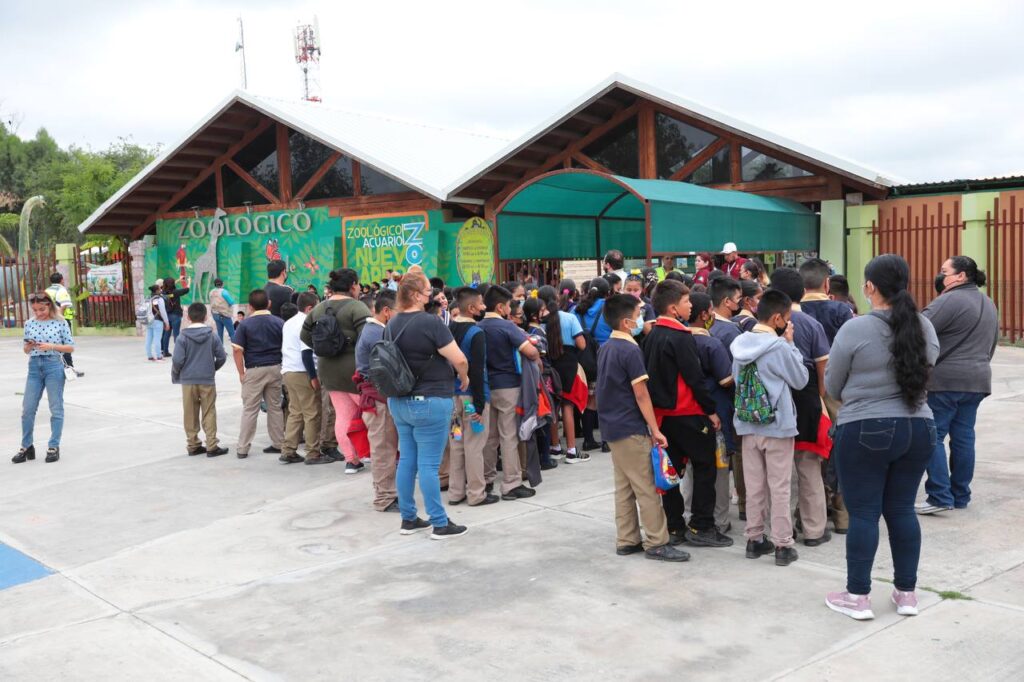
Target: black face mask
x=479 y=316
x=780 y=332
x=940 y=283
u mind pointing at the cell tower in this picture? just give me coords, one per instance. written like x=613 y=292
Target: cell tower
x=307 y=56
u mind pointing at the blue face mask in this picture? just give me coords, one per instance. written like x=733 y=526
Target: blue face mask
x=638 y=328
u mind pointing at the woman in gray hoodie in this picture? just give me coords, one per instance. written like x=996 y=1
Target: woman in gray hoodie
x=878 y=368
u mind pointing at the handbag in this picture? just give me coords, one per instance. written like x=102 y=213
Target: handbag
x=69 y=372
x=665 y=476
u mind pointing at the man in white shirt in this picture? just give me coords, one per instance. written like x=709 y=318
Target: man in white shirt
x=299 y=374
x=614 y=264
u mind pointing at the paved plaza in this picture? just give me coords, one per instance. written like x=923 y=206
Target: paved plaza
x=164 y=566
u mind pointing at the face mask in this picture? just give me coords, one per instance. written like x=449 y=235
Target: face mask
x=639 y=326
x=780 y=332
x=940 y=283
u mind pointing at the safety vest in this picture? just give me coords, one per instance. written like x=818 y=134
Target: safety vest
x=62 y=298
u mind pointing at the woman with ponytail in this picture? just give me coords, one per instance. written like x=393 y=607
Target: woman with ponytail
x=878 y=368
x=597 y=330
x=565 y=341
x=967 y=325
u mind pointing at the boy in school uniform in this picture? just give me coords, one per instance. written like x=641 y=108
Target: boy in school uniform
x=629 y=425
x=198 y=354
x=816 y=302
x=685 y=411
x=766 y=368
x=466 y=480
x=298 y=373
x=726 y=296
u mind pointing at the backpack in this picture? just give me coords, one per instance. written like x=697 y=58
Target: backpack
x=752 y=402
x=328 y=340
x=467 y=349
x=388 y=370
x=588 y=356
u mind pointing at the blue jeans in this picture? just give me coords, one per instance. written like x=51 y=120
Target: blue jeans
x=949 y=483
x=422 y=427
x=165 y=341
x=44 y=371
x=880 y=463
x=224 y=322
x=154 y=332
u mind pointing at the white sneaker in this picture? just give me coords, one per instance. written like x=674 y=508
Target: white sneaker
x=906 y=602
x=927 y=508
x=858 y=608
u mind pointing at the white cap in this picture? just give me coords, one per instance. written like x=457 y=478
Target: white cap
x=730 y=247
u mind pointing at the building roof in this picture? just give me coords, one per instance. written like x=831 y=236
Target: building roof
x=953 y=186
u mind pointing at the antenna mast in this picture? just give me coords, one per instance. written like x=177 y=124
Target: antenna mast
x=307 y=56
x=240 y=47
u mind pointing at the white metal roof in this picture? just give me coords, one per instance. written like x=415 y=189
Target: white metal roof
x=672 y=101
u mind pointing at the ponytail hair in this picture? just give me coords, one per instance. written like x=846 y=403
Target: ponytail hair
x=566 y=294
x=891 y=276
x=531 y=311
x=553 y=325
x=599 y=290
x=967 y=265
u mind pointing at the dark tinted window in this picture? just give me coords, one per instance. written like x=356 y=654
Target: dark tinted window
x=759 y=166
x=307 y=156
x=237 y=191
x=204 y=196
x=259 y=159
x=375 y=182
x=336 y=183
x=677 y=143
x=714 y=171
x=618 y=150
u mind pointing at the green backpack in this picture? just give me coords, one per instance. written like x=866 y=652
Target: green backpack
x=752 y=403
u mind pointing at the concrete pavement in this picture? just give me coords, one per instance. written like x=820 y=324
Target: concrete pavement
x=172 y=567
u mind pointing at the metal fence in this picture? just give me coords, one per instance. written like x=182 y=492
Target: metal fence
x=108 y=279
x=20 y=277
x=1006 y=266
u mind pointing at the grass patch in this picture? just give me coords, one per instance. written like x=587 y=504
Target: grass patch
x=949 y=594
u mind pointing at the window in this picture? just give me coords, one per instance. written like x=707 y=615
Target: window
x=237 y=191
x=204 y=196
x=375 y=182
x=677 y=143
x=336 y=183
x=714 y=171
x=259 y=159
x=759 y=166
x=307 y=155
x=618 y=151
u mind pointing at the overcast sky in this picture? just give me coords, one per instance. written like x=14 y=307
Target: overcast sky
x=904 y=87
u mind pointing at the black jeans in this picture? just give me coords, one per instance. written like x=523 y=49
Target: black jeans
x=691 y=438
x=880 y=463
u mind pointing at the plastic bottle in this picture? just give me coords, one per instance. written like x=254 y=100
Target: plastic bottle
x=470 y=410
x=721 y=456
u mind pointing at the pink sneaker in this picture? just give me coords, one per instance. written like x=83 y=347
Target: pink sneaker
x=858 y=608
x=906 y=602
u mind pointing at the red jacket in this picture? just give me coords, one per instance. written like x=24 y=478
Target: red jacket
x=733 y=269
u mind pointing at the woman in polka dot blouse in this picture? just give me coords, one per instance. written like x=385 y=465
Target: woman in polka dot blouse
x=46 y=337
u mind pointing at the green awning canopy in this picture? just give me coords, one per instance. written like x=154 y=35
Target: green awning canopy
x=580 y=214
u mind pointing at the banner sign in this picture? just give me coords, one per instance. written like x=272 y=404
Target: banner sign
x=376 y=244
x=105 y=280
x=474 y=251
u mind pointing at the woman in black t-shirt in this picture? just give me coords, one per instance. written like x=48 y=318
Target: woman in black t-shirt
x=172 y=301
x=423 y=417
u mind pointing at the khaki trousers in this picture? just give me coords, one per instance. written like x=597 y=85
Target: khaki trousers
x=303 y=414
x=466 y=475
x=327 y=418
x=634 y=486
x=502 y=428
x=261 y=383
x=810 y=497
x=196 y=398
x=383 y=437
x=767 y=472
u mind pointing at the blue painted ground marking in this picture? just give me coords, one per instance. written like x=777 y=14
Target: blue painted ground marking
x=17 y=568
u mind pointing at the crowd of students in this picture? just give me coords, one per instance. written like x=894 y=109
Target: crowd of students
x=767 y=385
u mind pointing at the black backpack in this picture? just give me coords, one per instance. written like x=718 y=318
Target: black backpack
x=388 y=370
x=328 y=340
x=588 y=356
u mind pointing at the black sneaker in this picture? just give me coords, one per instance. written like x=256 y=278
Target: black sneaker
x=743 y=516
x=548 y=466
x=452 y=530
x=814 y=542
x=591 y=445
x=784 y=556
x=667 y=553
x=322 y=458
x=354 y=467
x=197 y=451
x=758 y=548
x=414 y=526
x=217 y=452
x=676 y=537
x=488 y=499
x=52 y=454
x=334 y=454
x=489 y=487
x=393 y=507
x=271 y=450
x=520 y=492
x=455 y=503
x=707 y=538
x=241 y=455
x=605 y=448
x=626 y=550
x=577 y=457
x=291 y=459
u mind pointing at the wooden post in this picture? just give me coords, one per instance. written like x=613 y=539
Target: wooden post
x=284 y=164
x=735 y=165
x=646 y=142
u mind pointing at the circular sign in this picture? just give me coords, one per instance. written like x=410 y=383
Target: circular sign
x=474 y=251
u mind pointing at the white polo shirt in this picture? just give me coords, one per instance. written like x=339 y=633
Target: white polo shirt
x=292 y=345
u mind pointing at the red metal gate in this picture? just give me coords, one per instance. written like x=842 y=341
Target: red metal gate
x=1005 y=226
x=20 y=277
x=110 y=302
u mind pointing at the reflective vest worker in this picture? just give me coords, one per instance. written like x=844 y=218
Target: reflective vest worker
x=61 y=297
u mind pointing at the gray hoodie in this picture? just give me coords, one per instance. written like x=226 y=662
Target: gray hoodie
x=198 y=354
x=781 y=367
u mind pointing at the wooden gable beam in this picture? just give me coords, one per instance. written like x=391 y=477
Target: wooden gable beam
x=588 y=162
x=284 y=163
x=198 y=179
x=252 y=182
x=565 y=134
x=318 y=176
x=648 y=161
x=700 y=159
